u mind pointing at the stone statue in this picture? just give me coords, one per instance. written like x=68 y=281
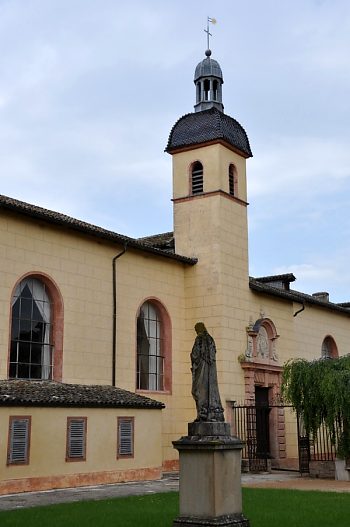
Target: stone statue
x=205 y=389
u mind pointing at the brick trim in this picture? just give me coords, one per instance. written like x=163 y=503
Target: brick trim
x=212 y=193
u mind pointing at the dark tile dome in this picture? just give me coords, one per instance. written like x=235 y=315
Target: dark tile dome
x=208 y=125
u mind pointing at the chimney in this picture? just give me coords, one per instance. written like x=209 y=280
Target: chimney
x=323 y=296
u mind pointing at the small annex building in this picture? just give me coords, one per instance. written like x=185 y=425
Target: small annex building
x=96 y=328
x=53 y=426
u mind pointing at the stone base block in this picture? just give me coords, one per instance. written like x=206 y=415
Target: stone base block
x=228 y=520
x=205 y=428
x=322 y=469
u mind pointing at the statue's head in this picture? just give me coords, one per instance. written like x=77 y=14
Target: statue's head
x=200 y=328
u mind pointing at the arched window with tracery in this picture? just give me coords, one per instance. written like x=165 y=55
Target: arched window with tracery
x=329 y=348
x=197 y=178
x=34 y=311
x=153 y=347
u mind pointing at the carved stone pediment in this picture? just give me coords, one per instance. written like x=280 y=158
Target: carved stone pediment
x=261 y=341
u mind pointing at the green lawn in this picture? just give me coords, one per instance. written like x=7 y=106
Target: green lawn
x=263 y=507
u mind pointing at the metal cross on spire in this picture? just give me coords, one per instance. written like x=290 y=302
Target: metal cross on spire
x=212 y=21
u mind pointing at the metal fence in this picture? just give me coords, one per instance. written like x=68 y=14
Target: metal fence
x=315 y=447
x=251 y=424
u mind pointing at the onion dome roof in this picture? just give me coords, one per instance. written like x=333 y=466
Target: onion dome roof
x=208 y=68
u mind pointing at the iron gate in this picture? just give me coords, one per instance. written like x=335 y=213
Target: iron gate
x=251 y=424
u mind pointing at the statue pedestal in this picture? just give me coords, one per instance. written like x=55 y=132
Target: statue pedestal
x=210 y=477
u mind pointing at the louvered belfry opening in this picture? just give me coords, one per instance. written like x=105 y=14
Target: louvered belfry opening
x=197 y=178
x=231 y=179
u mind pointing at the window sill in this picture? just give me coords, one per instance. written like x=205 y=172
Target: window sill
x=155 y=392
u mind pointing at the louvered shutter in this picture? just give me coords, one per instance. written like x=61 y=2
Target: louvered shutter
x=76 y=439
x=197 y=178
x=125 y=437
x=19 y=441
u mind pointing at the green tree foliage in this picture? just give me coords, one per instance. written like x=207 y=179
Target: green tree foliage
x=320 y=393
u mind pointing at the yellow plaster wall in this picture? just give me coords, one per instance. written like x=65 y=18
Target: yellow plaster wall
x=302 y=335
x=314 y=324
x=140 y=278
x=81 y=268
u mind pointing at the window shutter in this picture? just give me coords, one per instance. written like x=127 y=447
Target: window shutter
x=126 y=437
x=76 y=438
x=19 y=441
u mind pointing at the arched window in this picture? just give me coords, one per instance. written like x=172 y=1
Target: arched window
x=36 y=309
x=197 y=178
x=232 y=179
x=153 y=348
x=329 y=348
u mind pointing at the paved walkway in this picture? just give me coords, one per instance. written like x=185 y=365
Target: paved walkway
x=290 y=480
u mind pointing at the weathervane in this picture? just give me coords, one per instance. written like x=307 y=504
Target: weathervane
x=213 y=21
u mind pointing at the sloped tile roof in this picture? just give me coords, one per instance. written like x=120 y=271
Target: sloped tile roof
x=56 y=394
x=68 y=222
x=208 y=125
x=288 y=277
x=164 y=241
x=295 y=296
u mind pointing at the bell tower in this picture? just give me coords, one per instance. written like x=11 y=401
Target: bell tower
x=209 y=150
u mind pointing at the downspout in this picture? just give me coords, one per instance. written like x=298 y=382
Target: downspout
x=114 y=344
x=299 y=310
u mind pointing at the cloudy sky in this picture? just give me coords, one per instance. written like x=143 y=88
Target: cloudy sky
x=89 y=90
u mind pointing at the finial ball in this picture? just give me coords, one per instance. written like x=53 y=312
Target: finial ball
x=208 y=52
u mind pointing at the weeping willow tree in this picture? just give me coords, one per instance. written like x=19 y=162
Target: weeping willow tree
x=319 y=391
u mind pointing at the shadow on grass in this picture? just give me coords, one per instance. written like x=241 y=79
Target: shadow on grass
x=263 y=507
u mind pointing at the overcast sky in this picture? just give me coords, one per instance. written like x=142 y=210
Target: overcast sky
x=89 y=90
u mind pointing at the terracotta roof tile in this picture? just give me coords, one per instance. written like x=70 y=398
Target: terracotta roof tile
x=164 y=241
x=50 y=393
x=294 y=296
